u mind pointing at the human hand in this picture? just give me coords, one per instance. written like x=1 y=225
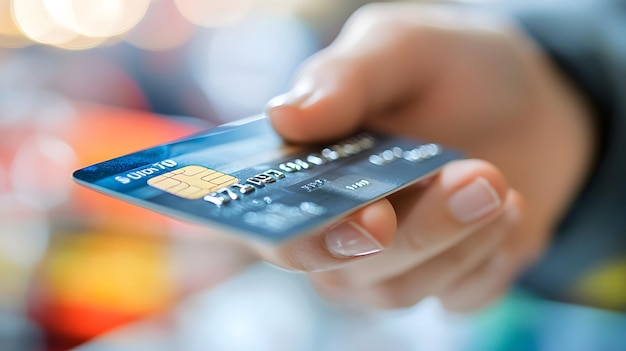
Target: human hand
x=467 y=80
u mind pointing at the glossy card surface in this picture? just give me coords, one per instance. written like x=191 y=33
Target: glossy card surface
x=243 y=178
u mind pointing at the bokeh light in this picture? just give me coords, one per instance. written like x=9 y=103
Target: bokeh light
x=214 y=13
x=80 y=42
x=37 y=24
x=10 y=35
x=250 y=62
x=97 y=18
x=7 y=26
x=94 y=19
x=25 y=234
x=283 y=7
x=70 y=24
x=146 y=24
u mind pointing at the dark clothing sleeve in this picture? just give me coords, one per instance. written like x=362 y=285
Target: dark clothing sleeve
x=587 y=41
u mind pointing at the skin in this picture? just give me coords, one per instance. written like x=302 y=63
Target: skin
x=465 y=79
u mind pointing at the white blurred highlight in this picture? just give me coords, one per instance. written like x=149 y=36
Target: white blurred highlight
x=250 y=62
x=214 y=13
x=37 y=24
x=97 y=18
x=76 y=24
x=23 y=233
x=83 y=24
x=39 y=173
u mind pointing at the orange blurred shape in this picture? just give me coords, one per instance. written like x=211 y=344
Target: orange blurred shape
x=99 y=278
x=102 y=133
x=107 y=264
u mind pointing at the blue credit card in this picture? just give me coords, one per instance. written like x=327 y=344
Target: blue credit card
x=243 y=178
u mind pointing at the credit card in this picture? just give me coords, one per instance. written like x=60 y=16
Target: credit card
x=243 y=178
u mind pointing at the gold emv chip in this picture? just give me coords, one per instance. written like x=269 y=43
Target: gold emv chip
x=192 y=182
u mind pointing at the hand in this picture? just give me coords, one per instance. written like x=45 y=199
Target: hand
x=464 y=79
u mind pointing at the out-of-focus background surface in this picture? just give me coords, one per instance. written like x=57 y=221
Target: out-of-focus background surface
x=82 y=81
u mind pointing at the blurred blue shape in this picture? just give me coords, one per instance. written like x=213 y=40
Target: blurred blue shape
x=265 y=309
x=18 y=334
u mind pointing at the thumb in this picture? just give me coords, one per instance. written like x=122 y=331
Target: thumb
x=375 y=64
x=326 y=102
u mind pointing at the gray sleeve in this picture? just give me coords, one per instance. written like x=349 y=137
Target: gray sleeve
x=587 y=40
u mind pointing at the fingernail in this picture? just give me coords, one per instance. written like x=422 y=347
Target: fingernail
x=295 y=97
x=351 y=240
x=474 y=201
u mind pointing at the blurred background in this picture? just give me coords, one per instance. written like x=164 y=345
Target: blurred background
x=82 y=81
